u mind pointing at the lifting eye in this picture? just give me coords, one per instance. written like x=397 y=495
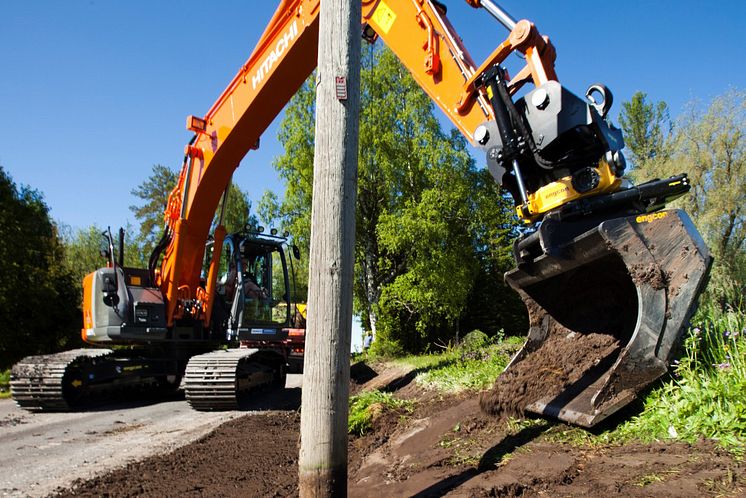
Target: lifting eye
x=606 y=98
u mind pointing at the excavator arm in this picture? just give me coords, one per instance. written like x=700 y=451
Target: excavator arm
x=417 y=31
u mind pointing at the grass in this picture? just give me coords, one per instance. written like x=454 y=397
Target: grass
x=367 y=406
x=5 y=384
x=705 y=397
x=473 y=365
x=655 y=477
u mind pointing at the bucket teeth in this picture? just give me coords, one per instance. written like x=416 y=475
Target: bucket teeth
x=607 y=308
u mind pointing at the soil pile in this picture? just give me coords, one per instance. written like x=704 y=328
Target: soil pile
x=446 y=447
x=547 y=368
x=251 y=456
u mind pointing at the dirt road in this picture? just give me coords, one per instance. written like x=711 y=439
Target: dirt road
x=445 y=447
x=42 y=451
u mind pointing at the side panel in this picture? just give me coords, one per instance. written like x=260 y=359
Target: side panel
x=87 y=304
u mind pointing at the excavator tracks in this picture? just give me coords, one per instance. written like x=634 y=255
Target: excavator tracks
x=46 y=383
x=217 y=380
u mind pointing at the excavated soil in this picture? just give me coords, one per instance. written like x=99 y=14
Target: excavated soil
x=548 y=367
x=446 y=447
x=251 y=456
x=544 y=373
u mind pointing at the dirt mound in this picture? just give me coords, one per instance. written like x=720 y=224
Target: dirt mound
x=446 y=447
x=251 y=456
x=544 y=373
x=546 y=368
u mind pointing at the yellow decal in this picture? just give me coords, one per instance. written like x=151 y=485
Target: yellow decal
x=132 y=368
x=77 y=383
x=384 y=17
x=647 y=218
x=135 y=280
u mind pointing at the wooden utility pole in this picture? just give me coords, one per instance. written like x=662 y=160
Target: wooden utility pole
x=323 y=451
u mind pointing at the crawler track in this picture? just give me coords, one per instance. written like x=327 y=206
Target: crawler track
x=216 y=380
x=46 y=383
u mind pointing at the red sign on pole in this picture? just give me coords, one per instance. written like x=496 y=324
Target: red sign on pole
x=341 y=84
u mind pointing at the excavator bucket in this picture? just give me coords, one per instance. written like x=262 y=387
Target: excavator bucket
x=608 y=303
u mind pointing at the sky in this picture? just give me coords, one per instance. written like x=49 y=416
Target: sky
x=94 y=93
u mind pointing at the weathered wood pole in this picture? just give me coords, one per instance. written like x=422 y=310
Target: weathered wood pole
x=323 y=450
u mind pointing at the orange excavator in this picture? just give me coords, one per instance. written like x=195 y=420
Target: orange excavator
x=599 y=256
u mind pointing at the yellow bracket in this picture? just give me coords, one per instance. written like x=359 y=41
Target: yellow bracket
x=560 y=192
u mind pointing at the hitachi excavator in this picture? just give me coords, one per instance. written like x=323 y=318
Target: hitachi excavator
x=599 y=257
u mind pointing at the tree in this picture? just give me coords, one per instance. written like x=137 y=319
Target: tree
x=154 y=191
x=646 y=127
x=269 y=210
x=83 y=251
x=710 y=146
x=237 y=210
x=417 y=250
x=37 y=292
x=493 y=306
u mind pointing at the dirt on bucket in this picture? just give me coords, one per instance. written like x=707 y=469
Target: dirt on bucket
x=547 y=368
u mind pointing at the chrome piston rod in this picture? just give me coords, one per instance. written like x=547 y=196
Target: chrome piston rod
x=499 y=14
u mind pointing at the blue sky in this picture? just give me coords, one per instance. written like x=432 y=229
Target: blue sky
x=93 y=93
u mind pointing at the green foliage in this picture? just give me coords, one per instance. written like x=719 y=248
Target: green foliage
x=367 y=406
x=470 y=369
x=428 y=224
x=474 y=341
x=83 y=252
x=5 y=384
x=473 y=365
x=710 y=146
x=295 y=166
x=237 y=210
x=37 y=292
x=153 y=191
x=492 y=305
x=705 y=397
x=269 y=210
x=385 y=348
x=646 y=127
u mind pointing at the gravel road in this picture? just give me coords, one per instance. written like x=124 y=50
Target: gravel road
x=42 y=451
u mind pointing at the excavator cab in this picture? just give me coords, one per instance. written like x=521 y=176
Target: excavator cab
x=255 y=284
x=254 y=308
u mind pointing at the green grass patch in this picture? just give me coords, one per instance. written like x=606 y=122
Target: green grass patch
x=705 y=397
x=367 y=406
x=5 y=384
x=472 y=365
